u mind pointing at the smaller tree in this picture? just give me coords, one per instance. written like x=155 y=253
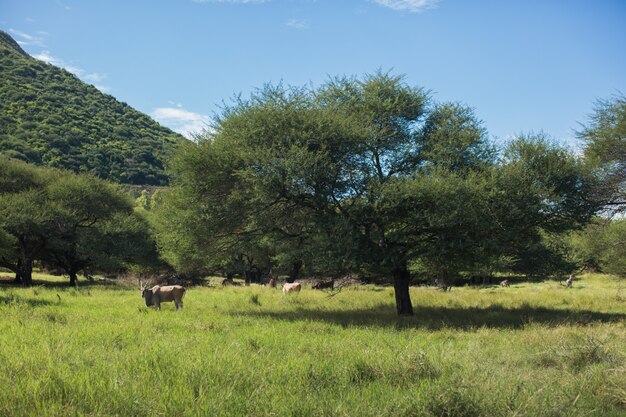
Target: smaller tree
x=605 y=150
x=26 y=216
x=94 y=226
x=539 y=189
x=601 y=246
x=68 y=220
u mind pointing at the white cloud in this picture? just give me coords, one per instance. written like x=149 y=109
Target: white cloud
x=231 y=1
x=24 y=38
x=91 y=77
x=415 y=6
x=63 y=5
x=22 y=35
x=46 y=57
x=180 y=120
x=94 y=77
x=297 y=24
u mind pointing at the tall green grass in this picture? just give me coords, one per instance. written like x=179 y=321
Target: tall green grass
x=529 y=350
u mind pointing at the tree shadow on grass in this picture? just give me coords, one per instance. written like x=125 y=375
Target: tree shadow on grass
x=31 y=302
x=9 y=282
x=438 y=318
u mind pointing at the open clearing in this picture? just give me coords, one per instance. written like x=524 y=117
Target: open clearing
x=534 y=349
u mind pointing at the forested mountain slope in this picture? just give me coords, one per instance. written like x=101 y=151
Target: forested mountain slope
x=49 y=117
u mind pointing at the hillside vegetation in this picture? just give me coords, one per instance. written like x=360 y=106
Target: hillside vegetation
x=49 y=117
x=534 y=349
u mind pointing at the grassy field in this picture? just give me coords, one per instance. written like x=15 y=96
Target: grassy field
x=535 y=349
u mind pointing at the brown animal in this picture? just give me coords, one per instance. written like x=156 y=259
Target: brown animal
x=295 y=287
x=321 y=284
x=158 y=294
x=505 y=283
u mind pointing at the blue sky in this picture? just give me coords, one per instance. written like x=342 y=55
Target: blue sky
x=525 y=66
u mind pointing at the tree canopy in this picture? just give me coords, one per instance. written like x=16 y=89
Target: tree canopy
x=365 y=175
x=600 y=247
x=73 y=222
x=605 y=148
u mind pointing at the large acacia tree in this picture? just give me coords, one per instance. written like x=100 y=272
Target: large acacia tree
x=316 y=170
x=357 y=175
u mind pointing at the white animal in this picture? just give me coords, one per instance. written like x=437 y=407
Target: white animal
x=295 y=287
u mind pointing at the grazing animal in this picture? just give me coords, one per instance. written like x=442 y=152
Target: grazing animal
x=442 y=284
x=505 y=283
x=158 y=294
x=229 y=281
x=321 y=284
x=272 y=283
x=295 y=287
x=569 y=281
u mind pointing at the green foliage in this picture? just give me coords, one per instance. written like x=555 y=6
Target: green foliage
x=26 y=217
x=454 y=139
x=366 y=175
x=48 y=117
x=605 y=148
x=176 y=243
x=539 y=189
x=304 y=170
x=437 y=220
x=143 y=200
x=96 y=227
x=601 y=246
x=67 y=220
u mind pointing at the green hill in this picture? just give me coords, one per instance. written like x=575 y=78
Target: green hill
x=49 y=117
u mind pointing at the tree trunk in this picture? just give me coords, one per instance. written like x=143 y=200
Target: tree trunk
x=295 y=271
x=26 y=272
x=73 y=278
x=15 y=268
x=18 y=276
x=401 y=281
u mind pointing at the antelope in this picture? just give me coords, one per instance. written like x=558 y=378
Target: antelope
x=295 y=287
x=156 y=295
